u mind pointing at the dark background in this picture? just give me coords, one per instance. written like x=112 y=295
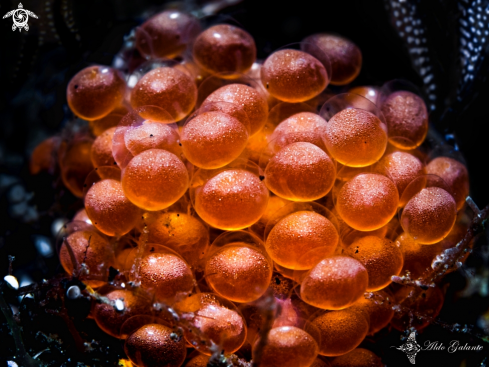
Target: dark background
x=35 y=67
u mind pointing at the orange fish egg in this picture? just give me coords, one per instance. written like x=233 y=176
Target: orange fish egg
x=43 y=157
x=402 y=168
x=301 y=239
x=109 y=209
x=407 y=119
x=355 y=137
x=91 y=249
x=293 y=76
x=95 y=91
x=166 y=34
x=213 y=139
x=288 y=346
x=378 y=309
x=101 y=152
x=233 y=199
x=340 y=331
x=148 y=172
x=225 y=49
x=166 y=274
x=155 y=345
x=454 y=174
x=304 y=126
x=381 y=257
x=344 y=55
x=152 y=135
x=183 y=233
x=417 y=257
x=75 y=163
x=253 y=103
x=218 y=320
x=199 y=361
x=334 y=283
x=238 y=272
x=429 y=216
x=300 y=172
x=120 y=305
x=367 y=202
x=167 y=88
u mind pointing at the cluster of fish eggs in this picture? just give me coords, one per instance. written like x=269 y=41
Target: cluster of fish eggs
x=211 y=180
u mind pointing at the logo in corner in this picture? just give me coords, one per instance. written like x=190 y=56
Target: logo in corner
x=410 y=347
x=20 y=17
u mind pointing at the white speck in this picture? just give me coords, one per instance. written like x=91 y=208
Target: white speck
x=43 y=246
x=73 y=292
x=11 y=281
x=133 y=79
x=119 y=305
x=57 y=225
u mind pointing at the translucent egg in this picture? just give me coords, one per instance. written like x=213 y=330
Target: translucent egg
x=407 y=119
x=288 y=346
x=218 y=320
x=109 y=209
x=95 y=91
x=97 y=127
x=298 y=234
x=369 y=92
x=345 y=57
x=238 y=268
x=213 y=139
x=167 y=88
x=355 y=137
x=183 y=233
x=381 y=257
x=230 y=199
x=454 y=174
x=150 y=170
x=101 y=152
x=75 y=164
x=426 y=307
x=367 y=202
x=430 y=215
x=300 y=172
x=91 y=249
x=226 y=49
x=122 y=305
x=199 y=361
x=301 y=127
x=402 y=168
x=334 y=283
x=417 y=257
x=293 y=76
x=341 y=331
x=154 y=345
x=43 y=157
x=154 y=135
x=378 y=308
x=166 y=34
x=274 y=204
x=166 y=274
x=252 y=101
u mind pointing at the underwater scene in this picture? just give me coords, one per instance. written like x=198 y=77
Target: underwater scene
x=244 y=183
